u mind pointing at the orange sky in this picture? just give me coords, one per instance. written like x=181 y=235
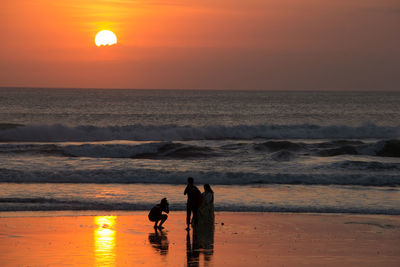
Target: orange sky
x=210 y=44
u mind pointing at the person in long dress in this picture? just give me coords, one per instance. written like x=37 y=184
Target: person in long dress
x=206 y=209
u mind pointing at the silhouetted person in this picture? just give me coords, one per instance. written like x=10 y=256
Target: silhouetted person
x=159 y=241
x=206 y=209
x=193 y=201
x=155 y=214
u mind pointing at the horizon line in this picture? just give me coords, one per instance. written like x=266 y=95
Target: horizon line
x=202 y=89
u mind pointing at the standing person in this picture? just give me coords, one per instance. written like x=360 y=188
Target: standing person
x=193 y=201
x=155 y=214
x=206 y=209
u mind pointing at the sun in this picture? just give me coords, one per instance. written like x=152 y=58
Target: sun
x=105 y=37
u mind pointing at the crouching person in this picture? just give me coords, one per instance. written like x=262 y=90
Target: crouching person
x=155 y=214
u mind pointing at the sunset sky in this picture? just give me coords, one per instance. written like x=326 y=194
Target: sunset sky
x=207 y=44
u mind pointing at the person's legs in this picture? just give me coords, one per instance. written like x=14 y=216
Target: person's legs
x=155 y=223
x=163 y=219
x=188 y=213
x=195 y=210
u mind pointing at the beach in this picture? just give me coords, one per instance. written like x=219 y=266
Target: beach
x=240 y=239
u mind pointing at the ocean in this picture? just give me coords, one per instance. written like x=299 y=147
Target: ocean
x=261 y=151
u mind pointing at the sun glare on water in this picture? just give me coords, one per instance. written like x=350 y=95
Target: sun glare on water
x=105 y=37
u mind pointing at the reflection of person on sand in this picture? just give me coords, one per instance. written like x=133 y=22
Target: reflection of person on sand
x=206 y=209
x=159 y=241
x=192 y=206
x=192 y=251
x=155 y=214
x=202 y=243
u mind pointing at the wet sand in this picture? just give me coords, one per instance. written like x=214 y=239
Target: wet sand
x=239 y=239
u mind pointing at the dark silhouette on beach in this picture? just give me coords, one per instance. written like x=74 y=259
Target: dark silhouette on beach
x=205 y=217
x=155 y=214
x=193 y=202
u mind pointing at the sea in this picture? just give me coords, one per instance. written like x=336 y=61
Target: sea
x=261 y=151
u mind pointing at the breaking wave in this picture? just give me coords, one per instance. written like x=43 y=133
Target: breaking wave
x=111 y=150
x=281 y=150
x=153 y=176
x=366 y=165
x=279 y=145
x=138 y=132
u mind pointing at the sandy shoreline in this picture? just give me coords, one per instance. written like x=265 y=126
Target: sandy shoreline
x=240 y=239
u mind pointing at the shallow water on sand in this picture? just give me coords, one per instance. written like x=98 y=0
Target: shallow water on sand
x=259 y=198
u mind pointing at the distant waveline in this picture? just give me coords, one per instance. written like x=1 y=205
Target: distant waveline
x=138 y=132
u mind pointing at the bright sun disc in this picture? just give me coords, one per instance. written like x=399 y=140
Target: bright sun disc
x=105 y=37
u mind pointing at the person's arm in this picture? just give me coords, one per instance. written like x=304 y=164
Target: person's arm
x=166 y=208
x=186 y=190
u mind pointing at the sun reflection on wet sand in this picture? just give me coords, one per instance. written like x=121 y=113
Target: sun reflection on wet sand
x=104 y=240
